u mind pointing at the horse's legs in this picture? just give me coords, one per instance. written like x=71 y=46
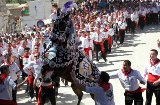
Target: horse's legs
x=78 y=92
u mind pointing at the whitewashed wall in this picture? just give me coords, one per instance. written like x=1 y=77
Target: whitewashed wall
x=41 y=12
x=1 y=23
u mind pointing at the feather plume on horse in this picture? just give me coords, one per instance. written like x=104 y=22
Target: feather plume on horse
x=63 y=56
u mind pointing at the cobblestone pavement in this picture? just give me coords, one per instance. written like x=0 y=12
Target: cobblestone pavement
x=136 y=49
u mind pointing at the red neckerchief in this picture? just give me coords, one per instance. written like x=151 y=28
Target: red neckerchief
x=25 y=56
x=126 y=73
x=105 y=30
x=2 y=77
x=14 y=46
x=154 y=63
x=105 y=86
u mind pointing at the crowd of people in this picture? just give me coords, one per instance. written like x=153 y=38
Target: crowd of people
x=98 y=29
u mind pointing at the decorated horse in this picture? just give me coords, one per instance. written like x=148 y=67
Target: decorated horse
x=63 y=56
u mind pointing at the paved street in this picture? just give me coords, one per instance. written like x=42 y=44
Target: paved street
x=136 y=49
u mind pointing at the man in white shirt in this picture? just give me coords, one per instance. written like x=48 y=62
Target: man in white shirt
x=122 y=27
x=103 y=93
x=152 y=69
x=14 y=72
x=133 y=21
x=129 y=80
x=6 y=86
x=98 y=44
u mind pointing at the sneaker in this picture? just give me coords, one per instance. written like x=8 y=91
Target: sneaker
x=30 y=100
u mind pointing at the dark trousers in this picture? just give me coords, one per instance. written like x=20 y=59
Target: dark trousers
x=141 y=22
x=48 y=93
x=14 y=94
x=128 y=28
x=31 y=90
x=155 y=18
x=133 y=26
x=149 y=93
x=37 y=90
x=122 y=35
x=97 y=49
x=137 y=98
x=115 y=38
x=106 y=45
x=159 y=16
x=148 y=19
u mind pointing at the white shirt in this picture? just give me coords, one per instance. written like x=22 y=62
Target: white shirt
x=134 y=17
x=6 y=88
x=100 y=96
x=83 y=42
x=53 y=16
x=96 y=37
x=122 y=25
x=111 y=32
x=155 y=70
x=20 y=51
x=130 y=83
x=35 y=66
x=89 y=43
x=155 y=10
x=125 y=14
x=1 y=59
x=14 y=70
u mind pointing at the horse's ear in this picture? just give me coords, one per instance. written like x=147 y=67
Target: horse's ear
x=66 y=17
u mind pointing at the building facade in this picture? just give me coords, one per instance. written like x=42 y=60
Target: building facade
x=3 y=16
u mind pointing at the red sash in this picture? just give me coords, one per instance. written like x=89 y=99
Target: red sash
x=7 y=102
x=105 y=86
x=110 y=40
x=139 y=90
x=87 y=50
x=101 y=46
x=30 y=77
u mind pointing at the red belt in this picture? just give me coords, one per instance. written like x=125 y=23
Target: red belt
x=96 y=42
x=122 y=29
x=101 y=46
x=139 y=90
x=141 y=16
x=7 y=102
x=39 y=93
x=87 y=50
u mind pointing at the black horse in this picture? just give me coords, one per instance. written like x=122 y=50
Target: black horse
x=68 y=57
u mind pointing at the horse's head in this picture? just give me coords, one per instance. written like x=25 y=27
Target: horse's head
x=62 y=30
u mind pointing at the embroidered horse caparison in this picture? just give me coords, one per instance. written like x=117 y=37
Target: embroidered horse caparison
x=63 y=56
